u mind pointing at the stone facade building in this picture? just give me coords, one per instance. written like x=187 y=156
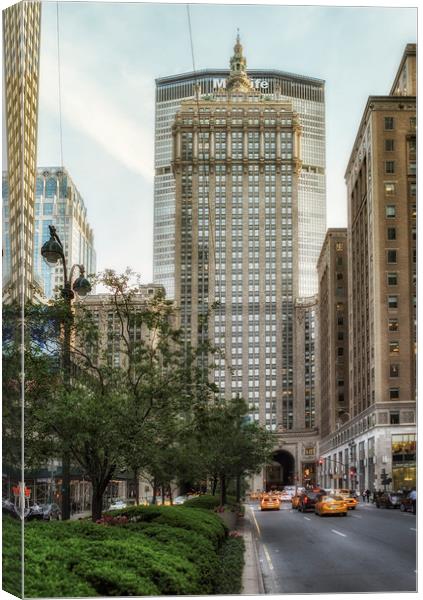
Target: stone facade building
x=239 y=236
x=380 y=435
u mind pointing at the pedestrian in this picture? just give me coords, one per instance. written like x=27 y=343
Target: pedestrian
x=364 y=495
x=413 y=496
x=368 y=495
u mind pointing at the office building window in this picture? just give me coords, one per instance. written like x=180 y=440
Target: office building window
x=389 y=123
x=390 y=211
x=390 y=166
x=389 y=187
x=392 y=301
x=393 y=370
x=393 y=347
x=393 y=278
x=394 y=393
x=389 y=145
x=393 y=325
x=394 y=417
x=392 y=233
x=392 y=256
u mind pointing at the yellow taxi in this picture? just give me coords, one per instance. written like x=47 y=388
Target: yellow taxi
x=346 y=495
x=330 y=505
x=270 y=502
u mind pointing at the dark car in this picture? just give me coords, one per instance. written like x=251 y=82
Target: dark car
x=389 y=499
x=43 y=512
x=308 y=500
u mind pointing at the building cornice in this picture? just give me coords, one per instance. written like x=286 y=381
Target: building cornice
x=399 y=101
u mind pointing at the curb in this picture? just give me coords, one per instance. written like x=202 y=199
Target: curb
x=252 y=578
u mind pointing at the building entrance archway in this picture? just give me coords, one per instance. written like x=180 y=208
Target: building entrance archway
x=281 y=471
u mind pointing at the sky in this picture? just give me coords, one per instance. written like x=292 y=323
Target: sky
x=111 y=53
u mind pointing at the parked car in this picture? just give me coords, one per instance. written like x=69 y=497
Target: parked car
x=308 y=500
x=51 y=512
x=8 y=508
x=117 y=505
x=270 y=502
x=330 y=505
x=179 y=500
x=390 y=499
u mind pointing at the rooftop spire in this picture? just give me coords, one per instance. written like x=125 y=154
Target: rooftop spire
x=238 y=80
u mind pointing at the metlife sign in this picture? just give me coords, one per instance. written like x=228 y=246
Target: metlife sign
x=259 y=84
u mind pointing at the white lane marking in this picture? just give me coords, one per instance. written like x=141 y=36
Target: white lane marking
x=307 y=518
x=356 y=516
x=413 y=529
x=338 y=532
x=268 y=557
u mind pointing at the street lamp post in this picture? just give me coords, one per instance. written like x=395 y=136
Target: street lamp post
x=53 y=251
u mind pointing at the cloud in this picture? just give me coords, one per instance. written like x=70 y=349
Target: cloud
x=90 y=107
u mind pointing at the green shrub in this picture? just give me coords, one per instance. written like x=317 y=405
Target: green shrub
x=193 y=546
x=11 y=559
x=202 y=522
x=231 y=559
x=209 y=502
x=159 y=551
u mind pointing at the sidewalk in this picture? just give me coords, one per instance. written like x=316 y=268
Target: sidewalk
x=252 y=582
x=80 y=515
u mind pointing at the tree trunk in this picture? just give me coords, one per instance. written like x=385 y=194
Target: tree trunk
x=137 y=487
x=170 y=494
x=214 y=485
x=163 y=495
x=154 y=493
x=97 y=503
x=238 y=488
x=222 y=490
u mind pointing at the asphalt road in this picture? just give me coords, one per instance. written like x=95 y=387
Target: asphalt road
x=370 y=550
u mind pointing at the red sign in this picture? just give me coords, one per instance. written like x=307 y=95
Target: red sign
x=16 y=489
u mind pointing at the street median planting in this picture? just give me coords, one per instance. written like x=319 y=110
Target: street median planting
x=154 y=551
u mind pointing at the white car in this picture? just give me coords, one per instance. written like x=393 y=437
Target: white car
x=179 y=499
x=117 y=505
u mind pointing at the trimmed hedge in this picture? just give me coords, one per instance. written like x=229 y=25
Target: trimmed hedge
x=159 y=551
x=231 y=557
x=209 y=502
x=200 y=521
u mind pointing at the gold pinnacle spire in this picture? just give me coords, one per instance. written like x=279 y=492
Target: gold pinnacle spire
x=238 y=80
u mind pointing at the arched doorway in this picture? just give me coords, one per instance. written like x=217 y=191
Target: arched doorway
x=281 y=472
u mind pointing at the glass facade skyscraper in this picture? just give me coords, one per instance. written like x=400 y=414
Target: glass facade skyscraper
x=307 y=97
x=59 y=203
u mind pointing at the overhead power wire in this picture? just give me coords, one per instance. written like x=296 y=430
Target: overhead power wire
x=211 y=240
